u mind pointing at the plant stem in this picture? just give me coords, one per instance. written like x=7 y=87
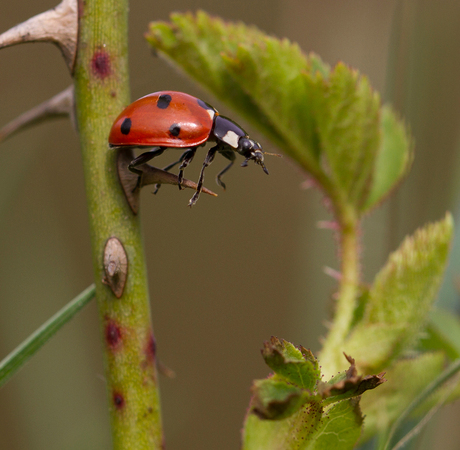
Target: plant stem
x=331 y=358
x=101 y=91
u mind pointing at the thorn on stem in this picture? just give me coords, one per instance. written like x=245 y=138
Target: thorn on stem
x=60 y=105
x=328 y=225
x=58 y=25
x=151 y=349
x=332 y=273
x=150 y=175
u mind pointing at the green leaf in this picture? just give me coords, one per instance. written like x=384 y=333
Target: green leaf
x=401 y=297
x=442 y=333
x=338 y=427
x=407 y=285
x=375 y=345
x=275 y=399
x=196 y=43
x=287 y=434
x=348 y=126
x=348 y=384
x=407 y=378
x=421 y=398
x=292 y=409
x=19 y=356
x=296 y=365
x=394 y=158
x=362 y=299
x=285 y=86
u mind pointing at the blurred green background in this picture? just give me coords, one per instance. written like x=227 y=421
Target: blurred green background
x=234 y=270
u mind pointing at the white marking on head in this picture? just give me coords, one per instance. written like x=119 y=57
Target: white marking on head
x=211 y=113
x=231 y=138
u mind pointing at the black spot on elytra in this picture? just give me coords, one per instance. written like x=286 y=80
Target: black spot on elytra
x=174 y=129
x=204 y=105
x=126 y=126
x=163 y=101
x=118 y=400
x=100 y=64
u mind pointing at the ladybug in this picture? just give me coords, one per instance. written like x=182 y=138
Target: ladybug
x=169 y=119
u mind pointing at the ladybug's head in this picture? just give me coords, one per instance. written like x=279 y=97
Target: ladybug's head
x=252 y=151
x=232 y=135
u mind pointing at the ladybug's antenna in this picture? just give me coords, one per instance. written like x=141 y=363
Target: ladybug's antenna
x=272 y=154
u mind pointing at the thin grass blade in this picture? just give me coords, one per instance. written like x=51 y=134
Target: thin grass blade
x=19 y=356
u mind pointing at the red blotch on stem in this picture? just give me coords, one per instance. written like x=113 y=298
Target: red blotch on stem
x=100 y=64
x=113 y=334
x=118 y=400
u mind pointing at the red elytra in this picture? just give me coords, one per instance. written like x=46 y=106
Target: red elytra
x=154 y=120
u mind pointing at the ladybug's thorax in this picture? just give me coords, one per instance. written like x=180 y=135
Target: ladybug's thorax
x=227 y=131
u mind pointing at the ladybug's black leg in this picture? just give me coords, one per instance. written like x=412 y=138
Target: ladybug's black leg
x=208 y=160
x=145 y=157
x=229 y=154
x=142 y=159
x=186 y=160
x=170 y=166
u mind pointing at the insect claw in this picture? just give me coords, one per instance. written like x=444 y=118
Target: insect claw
x=157 y=187
x=194 y=199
